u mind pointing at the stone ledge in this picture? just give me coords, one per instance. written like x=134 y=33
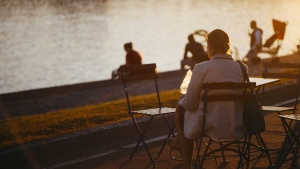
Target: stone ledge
x=43 y=92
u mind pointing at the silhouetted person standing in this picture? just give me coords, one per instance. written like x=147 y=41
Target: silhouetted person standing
x=197 y=51
x=255 y=43
x=132 y=58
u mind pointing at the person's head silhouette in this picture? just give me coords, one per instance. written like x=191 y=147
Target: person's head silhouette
x=253 y=25
x=191 y=38
x=217 y=42
x=128 y=46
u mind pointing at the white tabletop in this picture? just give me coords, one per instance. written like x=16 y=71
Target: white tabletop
x=262 y=81
x=258 y=80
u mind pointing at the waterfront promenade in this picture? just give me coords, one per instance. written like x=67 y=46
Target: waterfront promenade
x=55 y=98
x=102 y=147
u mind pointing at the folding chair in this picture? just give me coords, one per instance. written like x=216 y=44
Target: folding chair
x=292 y=135
x=282 y=71
x=292 y=139
x=131 y=75
x=241 y=146
x=289 y=71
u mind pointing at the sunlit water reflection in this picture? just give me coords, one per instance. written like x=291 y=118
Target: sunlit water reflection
x=47 y=45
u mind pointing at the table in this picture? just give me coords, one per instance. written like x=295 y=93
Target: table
x=258 y=80
x=291 y=138
x=262 y=81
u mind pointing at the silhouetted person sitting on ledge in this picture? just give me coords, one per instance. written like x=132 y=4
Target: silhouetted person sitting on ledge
x=132 y=58
x=197 y=51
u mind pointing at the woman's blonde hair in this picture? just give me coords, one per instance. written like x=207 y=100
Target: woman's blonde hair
x=219 y=40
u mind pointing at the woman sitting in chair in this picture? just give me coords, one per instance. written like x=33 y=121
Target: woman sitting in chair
x=224 y=120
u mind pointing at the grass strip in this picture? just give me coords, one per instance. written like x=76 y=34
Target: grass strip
x=24 y=129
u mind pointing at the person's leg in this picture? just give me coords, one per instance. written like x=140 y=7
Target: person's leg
x=193 y=65
x=118 y=72
x=189 y=62
x=252 y=56
x=114 y=74
x=182 y=63
x=185 y=145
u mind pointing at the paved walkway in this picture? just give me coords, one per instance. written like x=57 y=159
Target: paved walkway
x=106 y=155
x=273 y=141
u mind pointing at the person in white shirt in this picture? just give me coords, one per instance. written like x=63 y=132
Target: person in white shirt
x=255 y=43
x=223 y=119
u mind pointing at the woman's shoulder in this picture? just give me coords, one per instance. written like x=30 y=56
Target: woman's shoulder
x=202 y=66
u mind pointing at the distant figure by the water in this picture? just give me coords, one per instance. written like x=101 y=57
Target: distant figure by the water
x=132 y=58
x=255 y=43
x=197 y=51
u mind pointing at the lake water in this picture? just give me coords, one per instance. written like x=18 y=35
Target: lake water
x=43 y=44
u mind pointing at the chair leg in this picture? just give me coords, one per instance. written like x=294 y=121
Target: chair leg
x=261 y=146
x=289 y=133
x=240 y=163
x=171 y=132
x=265 y=149
x=165 y=142
x=141 y=139
x=242 y=150
x=249 y=137
x=224 y=162
x=198 y=152
x=282 y=156
x=222 y=151
x=287 y=130
x=205 y=152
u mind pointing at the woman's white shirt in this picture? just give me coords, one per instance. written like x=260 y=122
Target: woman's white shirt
x=224 y=120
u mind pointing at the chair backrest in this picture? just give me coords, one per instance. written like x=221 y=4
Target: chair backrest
x=283 y=71
x=228 y=96
x=139 y=73
x=281 y=74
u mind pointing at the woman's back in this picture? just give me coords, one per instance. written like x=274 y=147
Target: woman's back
x=224 y=119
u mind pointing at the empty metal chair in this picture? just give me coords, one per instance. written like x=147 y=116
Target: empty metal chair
x=132 y=76
x=283 y=71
